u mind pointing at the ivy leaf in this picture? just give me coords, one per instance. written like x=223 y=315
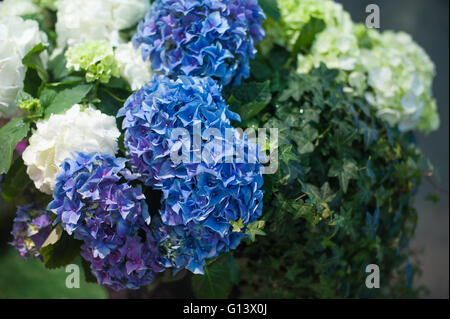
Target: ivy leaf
x=370 y=134
x=249 y=99
x=270 y=7
x=326 y=194
x=323 y=195
x=16 y=180
x=255 y=228
x=344 y=171
x=218 y=279
x=11 y=134
x=237 y=225
x=260 y=68
x=308 y=34
x=278 y=57
x=372 y=222
x=66 y=98
x=306 y=212
x=62 y=253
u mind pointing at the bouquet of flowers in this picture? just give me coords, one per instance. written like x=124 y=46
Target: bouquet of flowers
x=121 y=143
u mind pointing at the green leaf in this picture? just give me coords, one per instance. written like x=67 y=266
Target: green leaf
x=16 y=180
x=249 y=99
x=326 y=194
x=89 y=277
x=62 y=253
x=255 y=228
x=344 y=171
x=11 y=134
x=57 y=67
x=270 y=7
x=278 y=57
x=33 y=61
x=111 y=101
x=370 y=134
x=307 y=35
x=47 y=96
x=218 y=279
x=260 y=68
x=237 y=225
x=23 y=96
x=65 y=99
x=32 y=83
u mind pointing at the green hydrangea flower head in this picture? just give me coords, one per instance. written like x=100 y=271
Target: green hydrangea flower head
x=295 y=14
x=389 y=69
x=31 y=105
x=96 y=58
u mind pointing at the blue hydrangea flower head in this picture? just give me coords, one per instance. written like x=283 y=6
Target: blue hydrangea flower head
x=31 y=228
x=199 y=199
x=213 y=38
x=160 y=106
x=94 y=201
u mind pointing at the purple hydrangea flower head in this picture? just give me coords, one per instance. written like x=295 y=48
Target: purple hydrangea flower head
x=199 y=199
x=132 y=265
x=31 y=228
x=94 y=201
x=214 y=38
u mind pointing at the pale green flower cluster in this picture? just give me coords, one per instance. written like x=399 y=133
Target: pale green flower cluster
x=295 y=14
x=96 y=58
x=400 y=78
x=389 y=69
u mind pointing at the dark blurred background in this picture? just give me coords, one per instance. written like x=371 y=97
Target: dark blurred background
x=427 y=21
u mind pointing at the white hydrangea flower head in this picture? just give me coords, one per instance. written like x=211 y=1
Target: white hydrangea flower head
x=12 y=75
x=400 y=75
x=81 y=21
x=9 y=8
x=132 y=68
x=79 y=129
x=17 y=38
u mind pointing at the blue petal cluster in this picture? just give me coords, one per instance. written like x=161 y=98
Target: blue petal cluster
x=213 y=38
x=94 y=202
x=156 y=109
x=31 y=228
x=199 y=199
